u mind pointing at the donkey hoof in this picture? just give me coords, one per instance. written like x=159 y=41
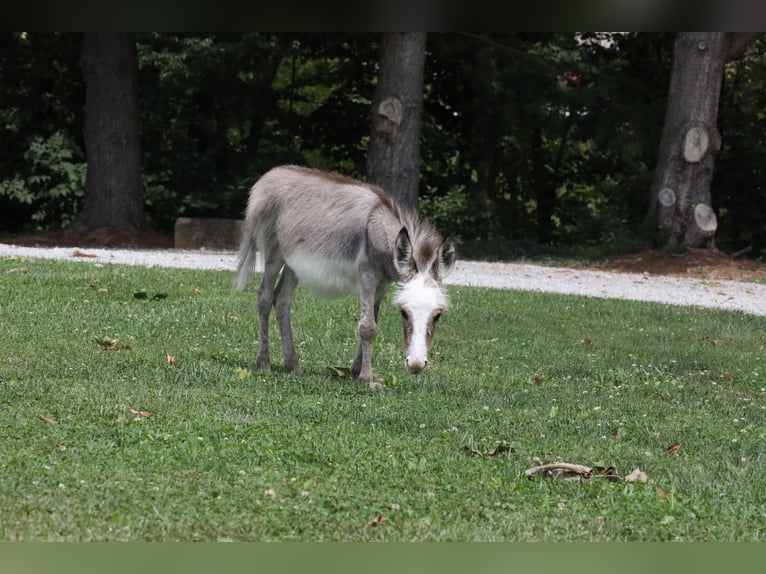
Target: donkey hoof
x=263 y=365
x=369 y=383
x=295 y=369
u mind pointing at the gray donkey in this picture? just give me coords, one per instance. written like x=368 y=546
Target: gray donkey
x=336 y=235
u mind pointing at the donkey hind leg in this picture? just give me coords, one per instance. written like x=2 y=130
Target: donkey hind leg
x=271 y=268
x=283 y=300
x=361 y=367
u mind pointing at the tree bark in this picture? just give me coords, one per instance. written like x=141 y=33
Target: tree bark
x=114 y=194
x=393 y=154
x=681 y=199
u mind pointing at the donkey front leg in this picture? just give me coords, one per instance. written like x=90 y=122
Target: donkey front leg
x=370 y=297
x=283 y=300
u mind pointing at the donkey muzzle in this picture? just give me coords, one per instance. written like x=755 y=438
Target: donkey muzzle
x=415 y=364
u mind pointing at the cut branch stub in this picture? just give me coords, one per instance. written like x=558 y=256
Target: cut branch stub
x=391 y=109
x=388 y=116
x=705 y=218
x=666 y=197
x=696 y=144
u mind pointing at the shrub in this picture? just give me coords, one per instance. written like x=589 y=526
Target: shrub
x=54 y=183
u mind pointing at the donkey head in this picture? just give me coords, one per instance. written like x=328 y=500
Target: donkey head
x=420 y=296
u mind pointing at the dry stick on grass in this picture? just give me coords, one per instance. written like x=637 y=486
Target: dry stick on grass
x=572 y=472
x=561 y=470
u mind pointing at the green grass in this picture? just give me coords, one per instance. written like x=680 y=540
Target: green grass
x=235 y=454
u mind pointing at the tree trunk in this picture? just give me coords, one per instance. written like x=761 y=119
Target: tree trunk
x=114 y=194
x=681 y=200
x=393 y=155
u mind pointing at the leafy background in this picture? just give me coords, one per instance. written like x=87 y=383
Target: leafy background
x=527 y=139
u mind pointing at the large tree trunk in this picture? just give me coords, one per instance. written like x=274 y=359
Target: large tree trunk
x=681 y=201
x=114 y=194
x=393 y=155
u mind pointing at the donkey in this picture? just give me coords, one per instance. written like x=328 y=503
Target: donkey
x=336 y=235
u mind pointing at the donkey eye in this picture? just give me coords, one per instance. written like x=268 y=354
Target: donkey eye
x=437 y=316
x=404 y=314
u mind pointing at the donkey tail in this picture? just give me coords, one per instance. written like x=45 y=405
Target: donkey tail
x=245 y=263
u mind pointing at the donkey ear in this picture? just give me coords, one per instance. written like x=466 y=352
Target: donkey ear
x=446 y=258
x=403 y=254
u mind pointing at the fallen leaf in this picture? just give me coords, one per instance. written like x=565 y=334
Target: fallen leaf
x=377 y=521
x=144 y=296
x=501 y=447
x=338 y=371
x=538 y=381
x=230 y=315
x=673 y=448
x=472 y=451
x=241 y=373
x=587 y=341
x=106 y=343
x=394 y=506
x=81 y=254
x=636 y=475
x=197 y=291
x=48 y=421
x=60 y=447
x=172 y=360
x=270 y=492
x=140 y=413
x=661 y=492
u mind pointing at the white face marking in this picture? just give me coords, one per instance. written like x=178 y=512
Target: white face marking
x=422 y=300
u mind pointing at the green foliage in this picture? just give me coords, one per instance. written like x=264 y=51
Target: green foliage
x=452 y=213
x=53 y=184
x=527 y=138
x=554 y=136
x=204 y=100
x=739 y=186
x=102 y=437
x=41 y=119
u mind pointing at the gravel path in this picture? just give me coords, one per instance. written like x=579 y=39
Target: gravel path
x=732 y=295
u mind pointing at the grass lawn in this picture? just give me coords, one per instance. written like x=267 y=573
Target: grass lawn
x=130 y=409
